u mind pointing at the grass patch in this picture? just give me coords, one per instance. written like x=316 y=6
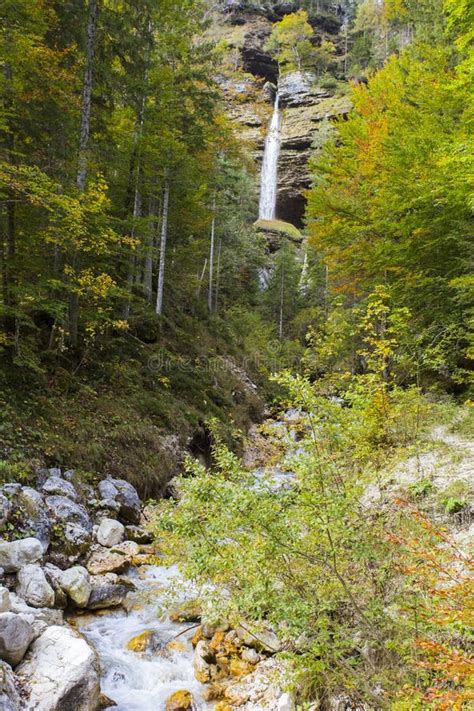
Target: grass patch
x=281 y=227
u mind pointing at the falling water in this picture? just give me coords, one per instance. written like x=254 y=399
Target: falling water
x=268 y=182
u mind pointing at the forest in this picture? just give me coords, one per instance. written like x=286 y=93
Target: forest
x=275 y=401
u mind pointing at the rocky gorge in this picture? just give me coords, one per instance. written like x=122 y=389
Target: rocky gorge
x=82 y=622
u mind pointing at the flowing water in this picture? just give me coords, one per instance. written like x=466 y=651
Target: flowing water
x=144 y=681
x=269 y=174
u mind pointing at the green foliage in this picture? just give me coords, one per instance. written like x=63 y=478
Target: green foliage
x=391 y=206
x=290 y=42
x=306 y=560
x=421 y=488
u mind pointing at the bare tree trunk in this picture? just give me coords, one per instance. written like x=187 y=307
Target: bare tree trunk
x=81 y=177
x=87 y=97
x=201 y=279
x=163 y=238
x=218 y=275
x=211 y=258
x=137 y=200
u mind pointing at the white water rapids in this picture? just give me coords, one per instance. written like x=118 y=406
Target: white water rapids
x=144 y=681
x=269 y=174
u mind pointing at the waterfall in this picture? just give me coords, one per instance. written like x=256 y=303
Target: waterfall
x=268 y=181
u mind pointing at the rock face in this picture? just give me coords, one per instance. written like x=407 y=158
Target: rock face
x=255 y=59
x=307 y=109
x=121 y=492
x=16 y=635
x=110 y=532
x=249 y=80
x=60 y=673
x=16 y=554
x=298 y=89
x=34 y=588
x=9 y=696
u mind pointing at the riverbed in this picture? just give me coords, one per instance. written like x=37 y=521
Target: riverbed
x=143 y=681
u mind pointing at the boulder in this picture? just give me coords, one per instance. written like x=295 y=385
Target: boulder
x=15 y=554
x=53 y=576
x=11 y=489
x=34 y=588
x=110 y=532
x=5 y=509
x=103 y=596
x=76 y=583
x=60 y=673
x=138 y=534
x=76 y=527
x=9 y=696
x=147 y=641
x=250 y=655
x=58 y=486
x=38 y=617
x=62 y=509
x=180 y=701
x=121 y=492
x=4 y=600
x=31 y=507
x=110 y=560
x=16 y=634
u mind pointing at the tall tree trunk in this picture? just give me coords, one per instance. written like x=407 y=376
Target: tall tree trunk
x=218 y=275
x=163 y=238
x=211 y=259
x=137 y=199
x=84 y=136
x=87 y=97
x=201 y=279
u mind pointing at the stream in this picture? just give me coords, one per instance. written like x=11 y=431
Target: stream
x=143 y=681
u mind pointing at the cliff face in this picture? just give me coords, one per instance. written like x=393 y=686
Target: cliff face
x=249 y=78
